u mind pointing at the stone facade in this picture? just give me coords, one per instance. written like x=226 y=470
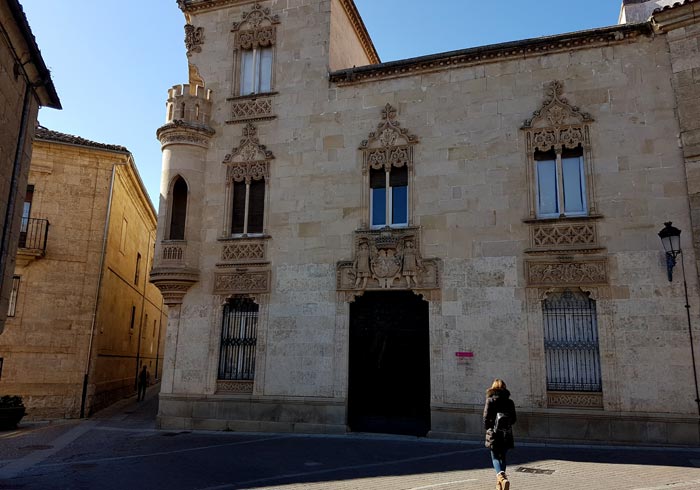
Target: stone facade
x=466 y=130
x=81 y=306
x=25 y=85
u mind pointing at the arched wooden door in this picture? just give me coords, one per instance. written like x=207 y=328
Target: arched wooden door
x=389 y=382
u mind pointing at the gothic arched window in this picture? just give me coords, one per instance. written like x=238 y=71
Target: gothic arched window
x=559 y=159
x=388 y=170
x=254 y=43
x=247 y=178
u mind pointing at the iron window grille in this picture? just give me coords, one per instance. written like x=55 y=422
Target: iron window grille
x=571 y=343
x=238 y=340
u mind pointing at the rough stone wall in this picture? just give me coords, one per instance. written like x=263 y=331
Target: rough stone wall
x=12 y=90
x=121 y=349
x=684 y=45
x=46 y=344
x=345 y=47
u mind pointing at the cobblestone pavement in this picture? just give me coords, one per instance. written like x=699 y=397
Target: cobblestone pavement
x=120 y=448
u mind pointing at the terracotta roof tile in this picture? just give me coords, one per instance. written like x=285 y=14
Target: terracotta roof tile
x=675 y=5
x=45 y=134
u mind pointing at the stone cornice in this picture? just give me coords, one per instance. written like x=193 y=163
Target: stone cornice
x=184 y=132
x=189 y=6
x=361 y=30
x=493 y=53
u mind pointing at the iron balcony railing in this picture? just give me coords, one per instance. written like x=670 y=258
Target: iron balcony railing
x=33 y=235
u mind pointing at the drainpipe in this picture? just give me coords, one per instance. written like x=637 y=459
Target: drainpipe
x=97 y=294
x=160 y=327
x=14 y=183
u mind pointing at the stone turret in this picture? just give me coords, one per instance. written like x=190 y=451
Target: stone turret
x=187 y=116
x=185 y=138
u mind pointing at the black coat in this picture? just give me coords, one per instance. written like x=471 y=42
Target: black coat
x=498 y=401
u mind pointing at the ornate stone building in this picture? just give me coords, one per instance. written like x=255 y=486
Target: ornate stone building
x=25 y=85
x=82 y=317
x=350 y=245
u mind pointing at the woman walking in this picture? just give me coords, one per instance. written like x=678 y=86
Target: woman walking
x=499 y=416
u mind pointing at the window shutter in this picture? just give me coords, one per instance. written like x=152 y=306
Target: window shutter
x=256 y=206
x=398 y=176
x=377 y=179
x=238 y=208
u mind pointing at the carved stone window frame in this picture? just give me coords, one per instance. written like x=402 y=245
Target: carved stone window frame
x=248 y=162
x=555 y=126
x=609 y=398
x=244 y=388
x=256 y=29
x=388 y=146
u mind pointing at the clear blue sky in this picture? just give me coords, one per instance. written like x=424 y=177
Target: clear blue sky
x=113 y=61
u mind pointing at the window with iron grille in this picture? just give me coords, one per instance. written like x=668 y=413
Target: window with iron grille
x=12 y=309
x=571 y=343
x=238 y=340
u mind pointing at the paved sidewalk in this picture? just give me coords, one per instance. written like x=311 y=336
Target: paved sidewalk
x=120 y=448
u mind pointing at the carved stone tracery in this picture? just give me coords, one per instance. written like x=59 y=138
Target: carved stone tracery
x=559 y=125
x=576 y=273
x=234 y=387
x=255 y=109
x=564 y=238
x=388 y=259
x=242 y=282
x=194 y=39
x=390 y=145
x=260 y=28
x=567 y=399
x=250 y=160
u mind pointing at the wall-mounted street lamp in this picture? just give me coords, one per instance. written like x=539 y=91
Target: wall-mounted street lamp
x=671 y=240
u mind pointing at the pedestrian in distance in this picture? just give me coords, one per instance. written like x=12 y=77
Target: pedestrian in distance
x=499 y=417
x=143 y=383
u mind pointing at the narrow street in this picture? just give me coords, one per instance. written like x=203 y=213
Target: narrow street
x=120 y=448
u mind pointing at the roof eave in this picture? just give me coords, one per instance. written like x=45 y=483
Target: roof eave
x=491 y=53
x=44 y=86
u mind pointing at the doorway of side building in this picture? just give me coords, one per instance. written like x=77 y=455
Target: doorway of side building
x=389 y=382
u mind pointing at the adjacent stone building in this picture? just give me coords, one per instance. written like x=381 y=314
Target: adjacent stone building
x=25 y=85
x=349 y=245
x=83 y=316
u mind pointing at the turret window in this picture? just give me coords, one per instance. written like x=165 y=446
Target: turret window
x=178 y=210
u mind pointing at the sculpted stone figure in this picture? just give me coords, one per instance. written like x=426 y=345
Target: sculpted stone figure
x=361 y=266
x=411 y=263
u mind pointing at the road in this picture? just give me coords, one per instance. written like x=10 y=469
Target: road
x=121 y=449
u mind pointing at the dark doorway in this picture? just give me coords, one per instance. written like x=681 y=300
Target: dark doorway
x=389 y=385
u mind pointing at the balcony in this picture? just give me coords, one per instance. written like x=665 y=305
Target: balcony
x=33 y=235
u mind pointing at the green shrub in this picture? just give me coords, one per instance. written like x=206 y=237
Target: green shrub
x=10 y=401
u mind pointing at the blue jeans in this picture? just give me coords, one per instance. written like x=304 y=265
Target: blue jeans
x=499 y=461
